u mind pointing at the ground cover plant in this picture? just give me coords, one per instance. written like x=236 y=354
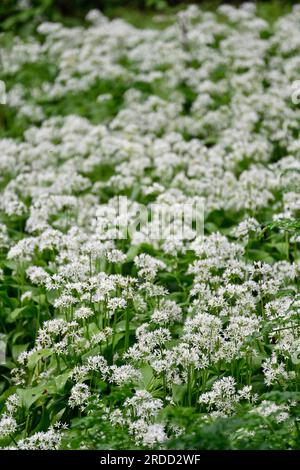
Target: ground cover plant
x=151 y=339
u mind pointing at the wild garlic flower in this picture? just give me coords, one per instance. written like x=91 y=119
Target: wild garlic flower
x=148 y=266
x=167 y=313
x=83 y=313
x=274 y=371
x=8 y=425
x=79 y=397
x=125 y=374
x=224 y=397
x=49 y=440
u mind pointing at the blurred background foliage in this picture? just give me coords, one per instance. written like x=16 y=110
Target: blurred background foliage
x=24 y=15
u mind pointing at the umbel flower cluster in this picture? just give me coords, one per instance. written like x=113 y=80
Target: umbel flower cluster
x=127 y=342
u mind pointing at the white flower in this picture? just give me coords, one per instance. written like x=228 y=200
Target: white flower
x=26 y=296
x=224 y=397
x=83 y=313
x=8 y=425
x=154 y=434
x=37 y=275
x=274 y=371
x=148 y=265
x=79 y=397
x=168 y=312
x=49 y=440
x=124 y=374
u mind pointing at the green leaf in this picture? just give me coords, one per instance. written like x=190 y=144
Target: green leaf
x=61 y=380
x=133 y=252
x=29 y=396
x=147 y=374
x=178 y=392
x=36 y=356
x=17 y=349
x=14 y=314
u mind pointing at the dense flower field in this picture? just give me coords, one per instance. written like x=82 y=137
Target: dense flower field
x=143 y=341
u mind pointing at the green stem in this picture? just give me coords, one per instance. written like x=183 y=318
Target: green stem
x=127 y=323
x=190 y=373
x=287 y=245
x=13 y=440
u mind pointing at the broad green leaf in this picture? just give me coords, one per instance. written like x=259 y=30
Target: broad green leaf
x=36 y=356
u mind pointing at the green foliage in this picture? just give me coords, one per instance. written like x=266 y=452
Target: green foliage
x=46 y=388
x=246 y=430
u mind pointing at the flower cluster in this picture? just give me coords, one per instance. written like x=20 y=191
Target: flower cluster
x=123 y=329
